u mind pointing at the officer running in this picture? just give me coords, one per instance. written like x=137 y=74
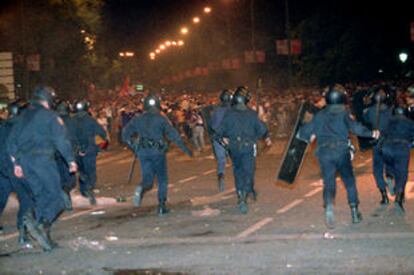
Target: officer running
x=219 y=148
x=378 y=116
x=145 y=135
x=37 y=135
x=395 y=144
x=240 y=129
x=331 y=127
x=86 y=129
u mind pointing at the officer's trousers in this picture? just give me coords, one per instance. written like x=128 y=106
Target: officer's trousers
x=243 y=169
x=87 y=171
x=42 y=176
x=332 y=162
x=220 y=154
x=396 y=157
x=68 y=180
x=24 y=198
x=378 y=167
x=154 y=166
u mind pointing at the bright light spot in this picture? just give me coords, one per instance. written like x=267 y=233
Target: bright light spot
x=129 y=54
x=180 y=43
x=380 y=71
x=207 y=10
x=184 y=30
x=196 y=20
x=152 y=57
x=82 y=31
x=162 y=47
x=403 y=57
x=151 y=102
x=174 y=43
x=121 y=54
x=167 y=43
x=157 y=50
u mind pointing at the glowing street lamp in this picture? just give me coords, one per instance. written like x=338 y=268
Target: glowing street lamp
x=167 y=43
x=174 y=43
x=162 y=47
x=207 y=9
x=157 y=50
x=184 y=30
x=196 y=20
x=121 y=54
x=129 y=54
x=180 y=43
x=403 y=56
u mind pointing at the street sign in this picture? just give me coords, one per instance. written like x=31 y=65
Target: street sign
x=6 y=76
x=139 y=87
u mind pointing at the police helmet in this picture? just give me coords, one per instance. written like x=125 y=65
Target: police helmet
x=63 y=108
x=13 y=109
x=81 y=106
x=44 y=93
x=335 y=94
x=226 y=96
x=151 y=102
x=241 y=96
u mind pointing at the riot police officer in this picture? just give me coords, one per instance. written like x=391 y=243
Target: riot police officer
x=220 y=151
x=68 y=180
x=331 y=127
x=150 y=147
x=240 y=129
x=8 y=182
x=86 y=130
x=395 y=144
x=378 y=116
x=32 y=143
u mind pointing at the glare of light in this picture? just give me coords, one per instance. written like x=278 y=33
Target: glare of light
x=196 y=20
x=157 y=50
x=184 y=30
x=207 y=9
x=174 y=43
x=162 y=47
x=129 y=54
x=82 y=31
x=403 y=57
x=180 y=43
x=167 y=43
x=121 y=54
x=380 y=71
x=152 y=54
x=152 y=57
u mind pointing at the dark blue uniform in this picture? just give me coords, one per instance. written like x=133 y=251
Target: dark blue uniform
x=68 y=180
x=151 y=147
x=243 y=128
x=370 y=116
x=33 y=141
x=86 y=129
x=331 y=127
x=395 y=147
x=219 y=151
x=8 y=182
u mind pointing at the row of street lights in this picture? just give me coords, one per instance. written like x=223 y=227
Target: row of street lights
x=184 y=30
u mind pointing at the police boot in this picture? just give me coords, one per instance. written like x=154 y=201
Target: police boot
x=399 y=202
x=384 y=198
x=68 y=201
x=162 y=208
x=37 y=232
x=221 y=182
x=23 y=237
x=329 y=216
x=47 y=228
x=242 y=202
x=91 y=196
x=355 y=214
x=139 y=193
x=253 y=193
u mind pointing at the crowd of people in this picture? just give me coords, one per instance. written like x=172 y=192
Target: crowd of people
x=64 y=141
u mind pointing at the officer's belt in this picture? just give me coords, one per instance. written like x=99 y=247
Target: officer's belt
x=151 y=144
x=334 y=144
x=243 y=141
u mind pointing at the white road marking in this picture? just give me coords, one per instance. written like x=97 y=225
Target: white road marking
x=409 y=190
x=313 y=192
x=364 y=163
x=289 y=206
x=187 y=179
x=255 y=227
x=317 y=183
x=210 y=199
x=209 y=172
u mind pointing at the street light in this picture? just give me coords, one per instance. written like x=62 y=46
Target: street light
x=174 y=43
x=196 y=20
x=157 y=50
x=184 y=30
x=207 y=9
x=180 y=43
x=162 y=47
x=167 y=43
x=403 y=56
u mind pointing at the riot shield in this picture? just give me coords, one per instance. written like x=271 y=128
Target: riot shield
x=360 y=101
x=295 y=150
x=206 y=115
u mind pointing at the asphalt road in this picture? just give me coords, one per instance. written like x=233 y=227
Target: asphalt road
x=283 y=232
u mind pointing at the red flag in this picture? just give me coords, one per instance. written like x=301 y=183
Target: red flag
x=296 y=47
x=283 y=49
x=125 y=87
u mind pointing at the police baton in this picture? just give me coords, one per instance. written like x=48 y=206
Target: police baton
x=131 y=170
